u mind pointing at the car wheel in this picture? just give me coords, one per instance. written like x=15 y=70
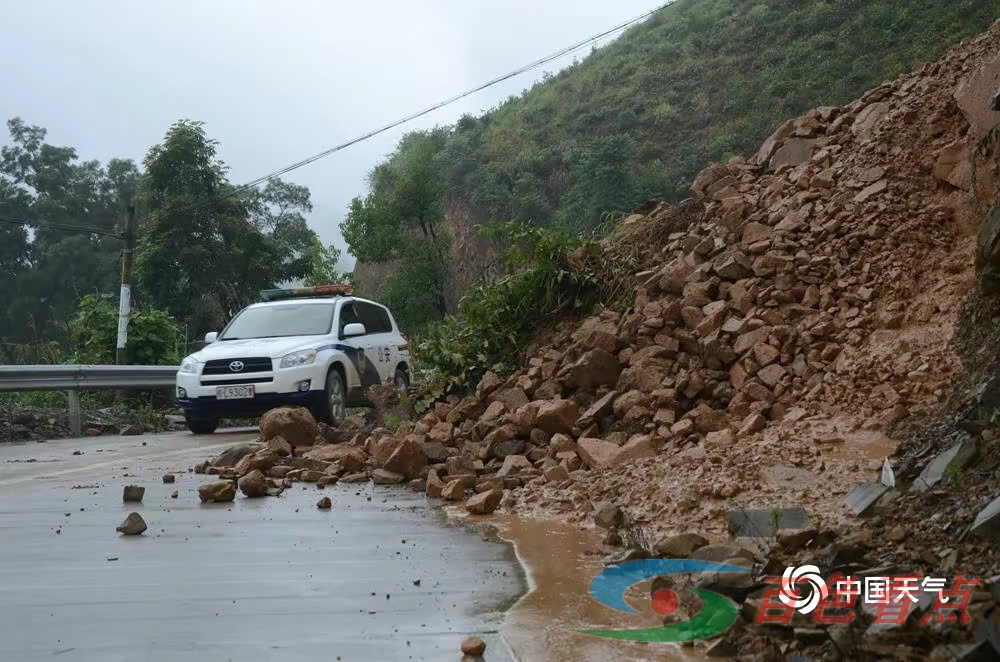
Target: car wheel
x=402 y=381
x=336 y=399
x=202 y=424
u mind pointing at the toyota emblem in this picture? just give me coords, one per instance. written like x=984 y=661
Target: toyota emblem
x=236 y=366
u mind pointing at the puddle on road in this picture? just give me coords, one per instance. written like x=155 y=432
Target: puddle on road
x=560 y=562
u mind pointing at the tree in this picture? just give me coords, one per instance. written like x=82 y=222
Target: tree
x=278 y=211
x=49 y=187
x=323 y=262
x=401 y=221
x=205 y=249
x=154 y=338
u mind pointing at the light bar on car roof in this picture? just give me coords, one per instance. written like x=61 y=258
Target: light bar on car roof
x=303 y=292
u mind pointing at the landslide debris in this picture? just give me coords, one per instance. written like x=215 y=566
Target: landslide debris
x=807 y=310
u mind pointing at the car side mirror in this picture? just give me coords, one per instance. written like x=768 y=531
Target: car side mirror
x=211 y=336
x=354 y=329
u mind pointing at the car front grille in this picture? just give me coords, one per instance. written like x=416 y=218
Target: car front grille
x=230 y=382
x=250 y=365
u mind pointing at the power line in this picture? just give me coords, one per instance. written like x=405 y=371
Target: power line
x=55 y=225
x=446 y=102
x=371 y=134
x=441 y=104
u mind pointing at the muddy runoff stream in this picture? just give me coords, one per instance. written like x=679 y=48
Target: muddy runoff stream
x=559 y=561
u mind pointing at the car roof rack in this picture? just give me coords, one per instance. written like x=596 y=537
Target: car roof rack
x=316 y=291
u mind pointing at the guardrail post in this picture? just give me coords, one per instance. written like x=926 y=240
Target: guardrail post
x=75 y=422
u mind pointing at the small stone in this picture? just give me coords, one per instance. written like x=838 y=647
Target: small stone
x=613 y=539
x=324 y=503
x=864 y=496
x=219 y=491
x=169 y=478
x=133 y=493
x=680 y=546
x=132 y=526
x=897 y=534
x=608 y=516
x=556 y=474
x=987 y=523
x=174 y=494
x=473 y=646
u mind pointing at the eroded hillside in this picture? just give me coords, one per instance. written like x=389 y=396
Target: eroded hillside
x=806 y=311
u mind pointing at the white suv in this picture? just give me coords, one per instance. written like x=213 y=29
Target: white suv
x=316 y=347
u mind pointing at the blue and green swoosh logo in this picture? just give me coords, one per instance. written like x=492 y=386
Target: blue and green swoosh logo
x=717 y=613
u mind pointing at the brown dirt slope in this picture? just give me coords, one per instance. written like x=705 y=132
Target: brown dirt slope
x=785 y=342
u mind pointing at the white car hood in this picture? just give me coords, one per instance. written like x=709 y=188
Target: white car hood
x=270 y=347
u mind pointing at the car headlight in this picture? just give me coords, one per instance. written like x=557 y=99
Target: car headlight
x=298 y=358
x=189 y=364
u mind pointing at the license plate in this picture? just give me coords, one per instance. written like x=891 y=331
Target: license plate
x=234 y=392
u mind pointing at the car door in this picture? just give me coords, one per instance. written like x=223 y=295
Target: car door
x=381 y=348
x=360 y=350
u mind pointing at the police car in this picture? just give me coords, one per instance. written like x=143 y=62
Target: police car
x=318 y=347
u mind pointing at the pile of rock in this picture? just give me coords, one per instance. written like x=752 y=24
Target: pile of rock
x=810 y=305
x=820 y=285
x=812 y=300
x=43 y=423
x=294 y=448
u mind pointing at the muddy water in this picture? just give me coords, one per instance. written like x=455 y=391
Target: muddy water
x=840 y=437
x=560 y=560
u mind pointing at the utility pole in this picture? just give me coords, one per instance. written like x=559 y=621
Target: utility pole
x=125 y=299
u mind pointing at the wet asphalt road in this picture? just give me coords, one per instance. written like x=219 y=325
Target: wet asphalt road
x=262 y=579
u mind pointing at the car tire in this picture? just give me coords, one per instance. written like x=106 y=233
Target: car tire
x=202 y=424
x=401 y=380
x=335 y=405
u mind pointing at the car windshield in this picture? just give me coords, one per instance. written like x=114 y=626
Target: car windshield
x=292 y=319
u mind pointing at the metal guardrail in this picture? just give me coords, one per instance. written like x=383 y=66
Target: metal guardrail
x=76 y=378
x=85 y=377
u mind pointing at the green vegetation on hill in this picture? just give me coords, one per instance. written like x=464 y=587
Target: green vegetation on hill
x=699 y=81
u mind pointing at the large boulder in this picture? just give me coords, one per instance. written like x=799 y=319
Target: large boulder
x=232 y=455
x=407 y=459
x=595 y=368
x=295 y=424
x=556 y=416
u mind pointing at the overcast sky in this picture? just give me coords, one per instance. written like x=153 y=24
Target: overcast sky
x=276 y=81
